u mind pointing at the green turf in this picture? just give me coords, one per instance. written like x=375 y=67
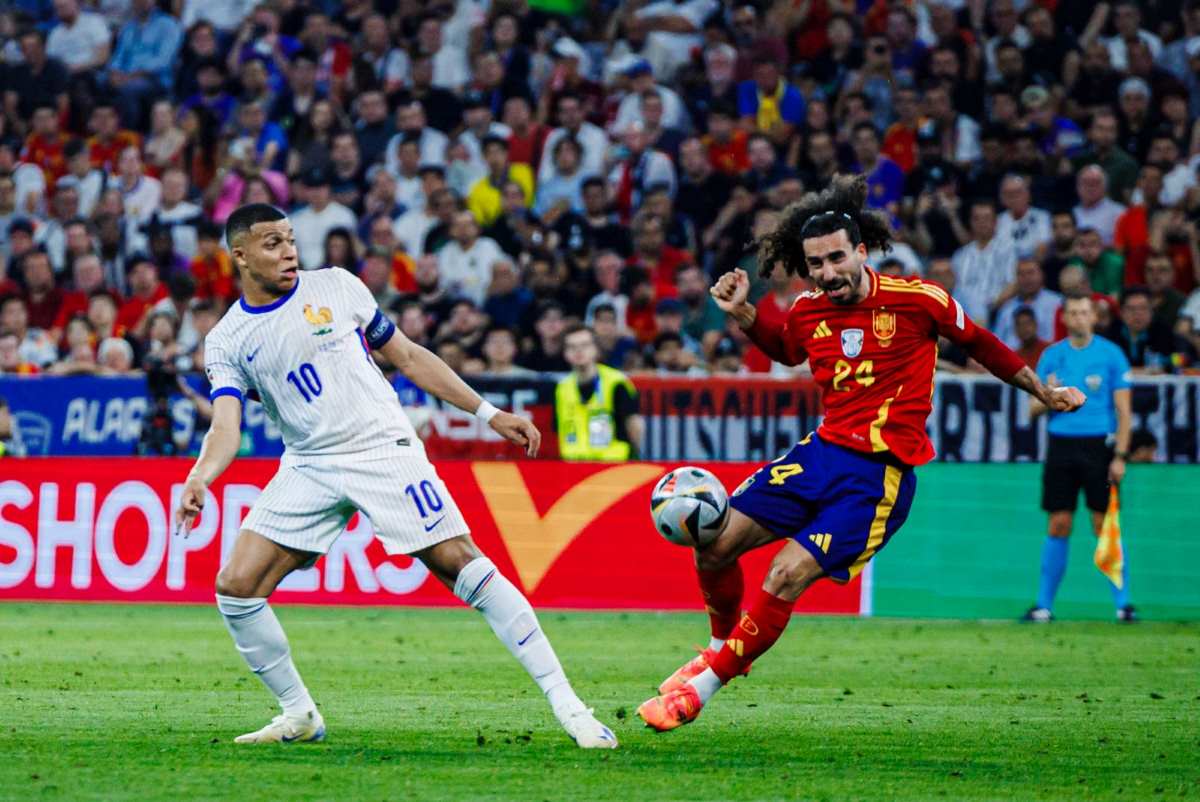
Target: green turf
x=131 y=702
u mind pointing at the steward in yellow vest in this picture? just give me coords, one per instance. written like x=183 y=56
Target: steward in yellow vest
x=595 y=406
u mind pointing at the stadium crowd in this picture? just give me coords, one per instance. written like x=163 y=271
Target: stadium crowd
x=493 y=171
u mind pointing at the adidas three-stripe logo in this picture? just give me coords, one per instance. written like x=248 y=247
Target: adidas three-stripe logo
x=822 y=539
x=822 y=330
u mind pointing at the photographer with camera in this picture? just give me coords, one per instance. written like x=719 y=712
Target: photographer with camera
x=162 y=381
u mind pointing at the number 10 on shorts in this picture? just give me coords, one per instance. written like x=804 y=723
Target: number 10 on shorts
x=425 y=496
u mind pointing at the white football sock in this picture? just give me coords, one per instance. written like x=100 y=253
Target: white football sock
x=706 y=683
x=260 y=639
x=716 y=643
x=509 y=614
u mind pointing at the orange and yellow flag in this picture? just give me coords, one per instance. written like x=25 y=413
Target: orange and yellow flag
x=1109 y=556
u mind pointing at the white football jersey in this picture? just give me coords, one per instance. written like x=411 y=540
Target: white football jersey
x=306 y=356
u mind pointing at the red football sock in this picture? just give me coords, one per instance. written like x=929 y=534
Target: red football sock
x=758 y=630
x=722 y=591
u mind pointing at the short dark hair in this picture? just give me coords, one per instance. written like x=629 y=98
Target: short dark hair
x=1135 y=291
x=866 y=126
x=575 y=328
x=493 y=139
x=497 y=328
x=565 y=142
x=667 y=337
x=1076 y=296
x=245 y=217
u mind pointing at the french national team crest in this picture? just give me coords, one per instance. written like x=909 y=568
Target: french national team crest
x=320 y=318
x=852 y=342
x=883 y=326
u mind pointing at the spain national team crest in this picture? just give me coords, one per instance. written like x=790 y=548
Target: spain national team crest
x=883 y=325
x=852 y=342
x=321 y=318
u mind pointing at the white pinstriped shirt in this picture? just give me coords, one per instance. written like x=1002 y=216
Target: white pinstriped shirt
x=306 y=356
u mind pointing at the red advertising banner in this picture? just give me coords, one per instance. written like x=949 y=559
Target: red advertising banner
x=571 y=535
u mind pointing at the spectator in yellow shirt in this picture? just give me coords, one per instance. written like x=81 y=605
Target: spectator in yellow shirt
x=484 y=199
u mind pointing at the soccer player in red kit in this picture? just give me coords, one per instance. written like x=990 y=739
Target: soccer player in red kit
x=841 y=492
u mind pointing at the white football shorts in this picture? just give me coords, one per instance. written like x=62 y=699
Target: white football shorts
x=307 y=504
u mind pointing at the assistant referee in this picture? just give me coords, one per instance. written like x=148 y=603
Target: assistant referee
x=1081 y=453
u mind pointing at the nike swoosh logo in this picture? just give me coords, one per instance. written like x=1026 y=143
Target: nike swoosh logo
x=521 y=642
x=250 y=356
x=429 y=527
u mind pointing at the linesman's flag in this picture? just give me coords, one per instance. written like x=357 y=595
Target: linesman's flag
x=1109 y=556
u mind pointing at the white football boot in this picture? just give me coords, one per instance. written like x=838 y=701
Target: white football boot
x=285 y=729
x=587 y=732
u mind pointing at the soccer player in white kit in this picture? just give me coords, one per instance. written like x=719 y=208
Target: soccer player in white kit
x=299 y=341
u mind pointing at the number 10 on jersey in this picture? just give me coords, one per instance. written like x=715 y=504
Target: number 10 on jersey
x=308 y=383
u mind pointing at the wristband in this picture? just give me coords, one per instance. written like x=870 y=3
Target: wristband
x=1121 y=455
x=486 y=411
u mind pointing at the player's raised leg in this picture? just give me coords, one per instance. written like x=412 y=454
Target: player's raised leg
x=719 y=574
x=791 y=572
x=252 y=573
x=839 y=508
x=459 y=564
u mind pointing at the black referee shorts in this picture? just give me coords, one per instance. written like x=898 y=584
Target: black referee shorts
x=1072 y=464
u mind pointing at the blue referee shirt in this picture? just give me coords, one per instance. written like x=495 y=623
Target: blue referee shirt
x=1098 y=369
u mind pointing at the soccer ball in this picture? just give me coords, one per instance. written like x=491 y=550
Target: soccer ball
x=689 y=506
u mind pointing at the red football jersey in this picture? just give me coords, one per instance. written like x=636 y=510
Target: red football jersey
x=47 y=155
x=875 y=360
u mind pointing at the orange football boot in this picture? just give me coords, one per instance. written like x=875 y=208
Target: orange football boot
x=690 y=669
x=671 y=710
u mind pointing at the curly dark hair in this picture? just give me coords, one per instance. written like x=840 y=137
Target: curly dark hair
x=839 y=207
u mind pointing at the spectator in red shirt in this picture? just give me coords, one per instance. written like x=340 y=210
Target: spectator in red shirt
x=652 y=254
x=772 y=309
x=334 y=56
x=87 y=277
x=211 y=267
x=1031 y=346
x=900 y=139
x=568 y=80
x=726 y=142
x=108 y=138
x=1172 y=232
x=41 y=294
x=754 y=38
x=1131 y=236
x=44 y=147
x=381 y=239
x=528 y=136
x=145 y=290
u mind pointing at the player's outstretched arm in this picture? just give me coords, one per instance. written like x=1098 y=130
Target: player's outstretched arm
x=434 y=376
x=732 y=294
x=218 y=450
x=1000 y=360
x=1054 y=399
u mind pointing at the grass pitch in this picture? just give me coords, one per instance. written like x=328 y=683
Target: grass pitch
x=102 y=702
